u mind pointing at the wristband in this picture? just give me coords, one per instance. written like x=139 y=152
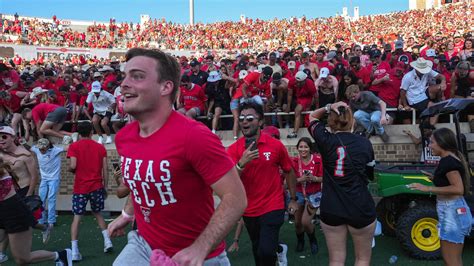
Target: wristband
x=240 y=168
x=328 y=108
x=127 y=216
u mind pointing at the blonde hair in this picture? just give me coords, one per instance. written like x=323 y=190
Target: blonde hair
x=351 y=90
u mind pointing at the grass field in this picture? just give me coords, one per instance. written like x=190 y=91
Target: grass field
x=91 y=245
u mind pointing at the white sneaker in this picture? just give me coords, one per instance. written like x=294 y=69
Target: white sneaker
x=108 y=246
x=282 y=261
x=108 y=140
x=76 y=256
x=3 y=258
x=75 y=136
x=100 y=140
x=67 y=140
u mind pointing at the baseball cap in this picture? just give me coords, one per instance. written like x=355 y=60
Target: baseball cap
x=398 y=44
x=97 y=75
x=7 y=130
x=214 y=76
x=51 y=93
x=301 y=76
x=442 y=58
x=375 y=53
x=276 y=77
x=49 y=73
x=291 y=65
x=331 y=55
x=267 y=71
x=96 y=87
x=194 y=63
x=431 y=53
x=243 y=74
x=42 y=143
x=324 y=73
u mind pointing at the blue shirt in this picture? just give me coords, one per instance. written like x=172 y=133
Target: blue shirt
x=49 y=163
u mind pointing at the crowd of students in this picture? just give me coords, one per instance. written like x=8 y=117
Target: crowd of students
x=253 y=34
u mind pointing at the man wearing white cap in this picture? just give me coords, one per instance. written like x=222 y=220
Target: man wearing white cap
x=104 y=106
x=413 y=91
x=326 y=87
x=304 y=90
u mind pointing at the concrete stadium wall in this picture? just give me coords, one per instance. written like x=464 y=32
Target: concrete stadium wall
x=400 y=148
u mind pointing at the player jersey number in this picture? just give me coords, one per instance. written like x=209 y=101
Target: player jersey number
x=341 y=155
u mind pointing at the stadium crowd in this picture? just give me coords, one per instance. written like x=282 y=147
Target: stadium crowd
x=372 y=71
x=253 y=34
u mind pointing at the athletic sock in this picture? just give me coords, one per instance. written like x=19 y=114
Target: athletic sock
x=75 y=246
x=105 y=234
x=56 y=255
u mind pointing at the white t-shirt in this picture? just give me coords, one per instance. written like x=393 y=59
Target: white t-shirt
x=102 y=103
x=416 y=87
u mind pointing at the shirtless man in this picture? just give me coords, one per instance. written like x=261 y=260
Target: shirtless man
x=326 y=86
x=23 y=164
x=306 y=64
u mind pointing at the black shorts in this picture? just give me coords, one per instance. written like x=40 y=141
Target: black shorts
x=57 y=116
x=16 y=217
x=107 y=114
x=463 y=91
x=420 y=106
x=334 y=220
x=325 y=99
x=23 y=191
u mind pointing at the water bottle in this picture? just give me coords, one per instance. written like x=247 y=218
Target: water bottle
x=393 y=259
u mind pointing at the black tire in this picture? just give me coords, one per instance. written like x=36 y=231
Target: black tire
x=417 y=232
x=386 y=216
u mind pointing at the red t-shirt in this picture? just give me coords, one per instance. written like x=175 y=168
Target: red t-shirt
x=195 y=97
x=307 y=91
x=363 y=73
x=89 y=155
x=382 y=69
x=14 y=104
x=315 y=165
x=171 y=190
x=390 y=92
x=255 y=87
x=41 y=110
x=261 y=177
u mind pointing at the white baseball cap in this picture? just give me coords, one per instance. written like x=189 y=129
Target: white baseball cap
x=324 y=73
x=243 y=74
x=96 y=87
x=301 y=76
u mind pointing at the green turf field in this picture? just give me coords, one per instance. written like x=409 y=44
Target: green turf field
x=91 y=246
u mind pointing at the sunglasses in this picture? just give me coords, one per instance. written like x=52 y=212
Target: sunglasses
x=249 y=118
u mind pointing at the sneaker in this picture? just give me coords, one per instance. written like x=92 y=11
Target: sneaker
x=108 y=246
x=67 y=140
x=75 y=136
x=292 y=135
x=282 y=261
x=108 y=140
x=64 y=258
x=3 y=258
x=47 y=233
x=100 y=140
x=210 y=116
x=384 y=137
x=76 y=256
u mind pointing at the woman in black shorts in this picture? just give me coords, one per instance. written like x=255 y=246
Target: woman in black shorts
x=346 y=204
x=15 y=223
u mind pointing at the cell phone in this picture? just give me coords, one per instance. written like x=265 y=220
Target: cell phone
x=116 y=166
x=306 y=172
x=248 y=142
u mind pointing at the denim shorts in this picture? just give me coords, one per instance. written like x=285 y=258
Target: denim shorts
x=455 y=220
x=234 y=104
x=313 y=199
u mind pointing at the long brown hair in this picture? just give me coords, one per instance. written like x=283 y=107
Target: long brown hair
x=446 y=139
x=342 y=121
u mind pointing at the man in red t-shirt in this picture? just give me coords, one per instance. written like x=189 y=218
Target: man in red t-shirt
x=192 y=99
x=11 y=101
x=88 y=162
x=48 y=119
x=259 y=159
x=172 y=165
x=257 y=85
x=304 y=90
x=378 y=70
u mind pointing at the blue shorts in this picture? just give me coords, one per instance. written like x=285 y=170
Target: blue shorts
x=455 y=220
x=79 y=201
x=234 y=104
x=313 y=199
